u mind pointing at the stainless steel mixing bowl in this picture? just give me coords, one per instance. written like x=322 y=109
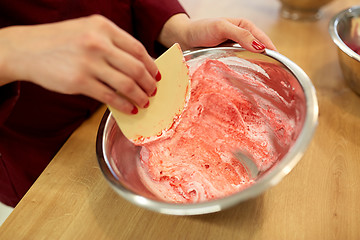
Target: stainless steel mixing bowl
x=339 y=29
x=119 y=158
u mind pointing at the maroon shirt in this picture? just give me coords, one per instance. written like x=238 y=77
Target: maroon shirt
x=35 y=122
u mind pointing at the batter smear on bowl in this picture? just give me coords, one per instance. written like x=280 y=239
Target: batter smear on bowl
x=234 y=105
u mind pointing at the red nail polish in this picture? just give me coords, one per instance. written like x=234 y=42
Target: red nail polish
x=158 y=76
x=135 y=110
x=147 y=105
x=153 y=94
x=258 y=45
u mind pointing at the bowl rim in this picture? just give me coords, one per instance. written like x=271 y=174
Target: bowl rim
x=349 y=12
x=268 y=180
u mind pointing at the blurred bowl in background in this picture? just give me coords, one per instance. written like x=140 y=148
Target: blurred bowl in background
x=340 y=31
x=119 y=158
x=302 y=9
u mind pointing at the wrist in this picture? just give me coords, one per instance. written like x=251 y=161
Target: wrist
x=6 y=73
x=176 y=30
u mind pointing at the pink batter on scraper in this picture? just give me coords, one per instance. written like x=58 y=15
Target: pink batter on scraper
x=227 y=110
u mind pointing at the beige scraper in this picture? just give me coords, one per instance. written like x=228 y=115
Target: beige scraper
x=169 y=101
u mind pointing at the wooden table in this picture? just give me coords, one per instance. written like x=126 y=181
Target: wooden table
x=319 y=199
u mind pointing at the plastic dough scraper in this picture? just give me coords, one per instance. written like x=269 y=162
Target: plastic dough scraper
x=169 y=101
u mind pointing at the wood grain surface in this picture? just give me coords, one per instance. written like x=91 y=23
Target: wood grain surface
x=319 y=199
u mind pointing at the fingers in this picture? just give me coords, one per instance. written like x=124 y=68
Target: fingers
x=126 y=100
x=127 y=43
x=134 y=70
x=124 y=85
x=248 y=35
x=257 y=33
x=127 y=74
x=105 y=94
x=135 y=49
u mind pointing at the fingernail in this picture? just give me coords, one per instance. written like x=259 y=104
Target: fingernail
x=158 y=76
x=135 y=110
x=147 y=105
x=153 y=94
x=258 y=45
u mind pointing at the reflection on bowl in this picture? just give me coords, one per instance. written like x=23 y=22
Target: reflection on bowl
x=120 y=161
x=302 y=9
x=340 y=31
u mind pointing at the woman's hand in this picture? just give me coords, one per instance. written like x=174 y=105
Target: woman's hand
x=89 y=56
x=211 y=32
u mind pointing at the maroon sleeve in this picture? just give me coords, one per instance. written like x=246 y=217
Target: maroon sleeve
x=9 y=94
x=149 y=18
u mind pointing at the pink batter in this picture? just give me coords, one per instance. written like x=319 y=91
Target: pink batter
x=354 y=47
x=228 y=110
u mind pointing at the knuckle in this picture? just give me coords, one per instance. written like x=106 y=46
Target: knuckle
x=246 y=34
x=244 y=23
x=92 y=38
x=108 y=97
x=138 y=50
x=98 y=20
x=91 y=41
x=220 y=24
x=128 y=87
x=139 y=71
x=78 y=80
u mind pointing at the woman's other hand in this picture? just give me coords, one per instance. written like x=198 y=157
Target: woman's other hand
x=213 y=31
